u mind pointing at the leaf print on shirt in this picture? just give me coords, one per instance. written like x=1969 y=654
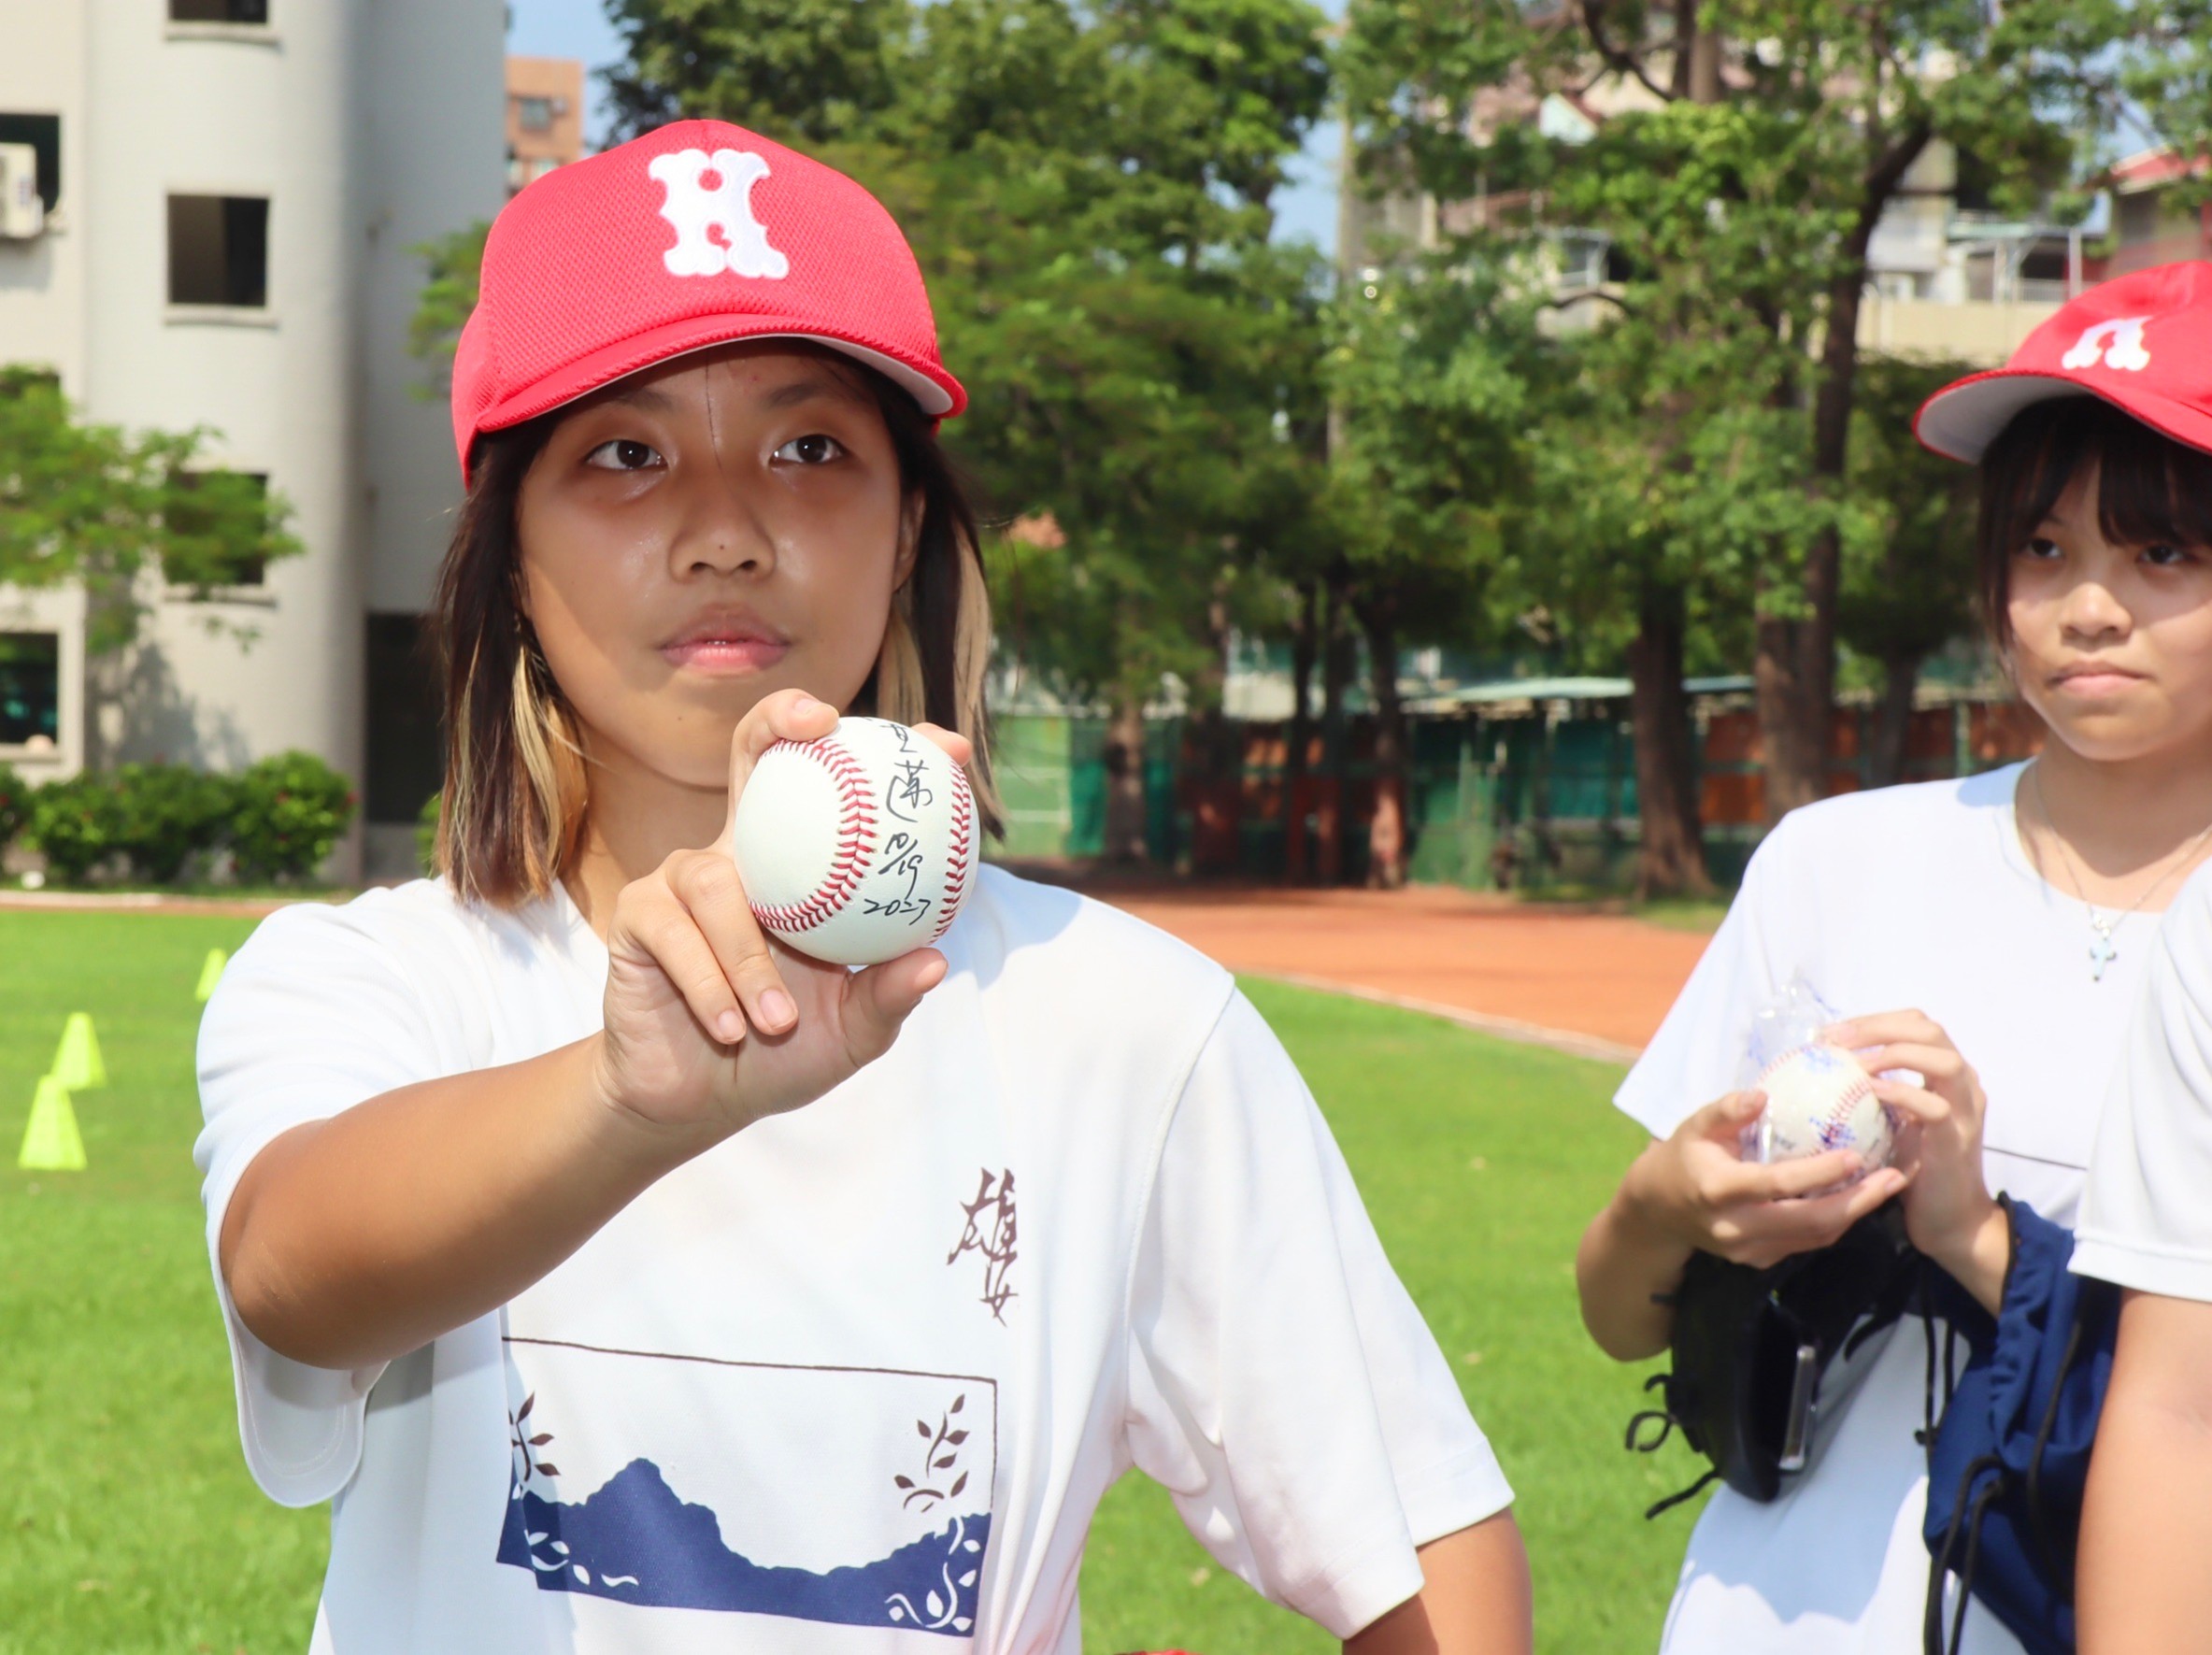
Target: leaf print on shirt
x=941 y=1456
x=525 y=1446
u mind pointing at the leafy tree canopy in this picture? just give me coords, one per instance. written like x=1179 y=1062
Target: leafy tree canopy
x=97 y=504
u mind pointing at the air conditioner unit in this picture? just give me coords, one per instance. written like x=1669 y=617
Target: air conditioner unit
x=22 y=213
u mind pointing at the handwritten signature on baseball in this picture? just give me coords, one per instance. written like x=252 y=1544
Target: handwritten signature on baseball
x=907 y=792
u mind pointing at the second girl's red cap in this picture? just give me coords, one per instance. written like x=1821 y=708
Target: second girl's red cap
x=693 y=236
x=2143 y=342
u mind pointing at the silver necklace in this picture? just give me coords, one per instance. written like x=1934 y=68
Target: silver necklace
x=2100 y=952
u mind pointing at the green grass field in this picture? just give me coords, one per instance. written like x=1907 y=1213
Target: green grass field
x=127 y=1523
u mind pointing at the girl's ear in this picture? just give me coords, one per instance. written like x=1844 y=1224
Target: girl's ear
x=910 y=514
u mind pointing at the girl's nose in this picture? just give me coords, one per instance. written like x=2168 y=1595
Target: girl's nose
x=721 y=534
x=2093 y=614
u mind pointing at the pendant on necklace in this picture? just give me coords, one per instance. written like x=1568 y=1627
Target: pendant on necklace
x=2101 y=953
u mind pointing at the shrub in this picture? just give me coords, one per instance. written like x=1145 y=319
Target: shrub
x=15 y=805
x=77 y=824
x=426 y=836
x=289 y=810
x=168 y=812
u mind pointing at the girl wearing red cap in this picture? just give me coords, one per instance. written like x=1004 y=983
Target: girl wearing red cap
x=1986 y=936
x=634 y=1284
x=2146 y=1226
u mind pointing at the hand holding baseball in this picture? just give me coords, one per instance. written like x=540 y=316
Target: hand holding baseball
x=1695 y=1191
x=711 y=1023
x=1949 y=1212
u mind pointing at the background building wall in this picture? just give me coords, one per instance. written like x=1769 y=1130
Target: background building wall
x=369 y=126
x=258 y=113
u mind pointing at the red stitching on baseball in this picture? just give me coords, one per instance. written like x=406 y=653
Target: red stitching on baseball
x=856 y=842
x=958 y=837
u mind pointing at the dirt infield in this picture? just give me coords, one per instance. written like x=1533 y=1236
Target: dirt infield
x=1592 y=983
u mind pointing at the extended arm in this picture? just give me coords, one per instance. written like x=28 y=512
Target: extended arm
x=357 y=1238
x=2141 y=1582
x=1476 y=1599
x=353 y=1240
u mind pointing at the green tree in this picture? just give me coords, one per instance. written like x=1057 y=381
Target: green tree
x=1754 y=148
x=802 y=71
x=98 y=506
x=1909 y=565
x=451 y=266
x=1435 y=379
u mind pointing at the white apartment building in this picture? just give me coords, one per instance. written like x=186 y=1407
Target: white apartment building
x=228 y=192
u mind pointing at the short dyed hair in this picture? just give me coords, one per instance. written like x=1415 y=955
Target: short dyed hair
x=511 y=816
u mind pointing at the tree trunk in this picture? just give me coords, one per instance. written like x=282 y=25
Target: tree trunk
x=1387 y=830
x=1892 y=721
x=1795 y=668
x=1671 y=857
x=1336 y=667
x=1305 y=643
x=1211 y=780
x=1125 y=780
x=1697 y=57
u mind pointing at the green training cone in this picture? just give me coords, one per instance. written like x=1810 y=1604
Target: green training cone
x=77 y=1060
x=51 y=1142
x=210 y=974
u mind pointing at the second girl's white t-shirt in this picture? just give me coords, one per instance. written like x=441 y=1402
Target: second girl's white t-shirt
x=2147 y=1219
x=852 y=1381
x=1905 y=898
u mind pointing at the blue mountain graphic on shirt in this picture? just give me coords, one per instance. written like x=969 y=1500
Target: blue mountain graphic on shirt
x=634 y=1540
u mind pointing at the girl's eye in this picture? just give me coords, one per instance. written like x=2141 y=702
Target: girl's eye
x=623 y=454
x=813 y=450
x=2042 y=551
x=2165 y=557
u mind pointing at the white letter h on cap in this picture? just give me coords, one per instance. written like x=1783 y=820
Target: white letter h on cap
x=694 y=210
x=2126 y=350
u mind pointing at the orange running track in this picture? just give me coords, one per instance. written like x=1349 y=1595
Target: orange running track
x=1595 y=983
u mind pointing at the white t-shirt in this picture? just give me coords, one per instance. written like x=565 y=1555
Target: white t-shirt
x=2146 y=1217
x=1908 y=897
x=854 y=1379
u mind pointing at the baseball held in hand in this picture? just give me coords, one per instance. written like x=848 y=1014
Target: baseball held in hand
x=859 y=846
x=1818 y=1099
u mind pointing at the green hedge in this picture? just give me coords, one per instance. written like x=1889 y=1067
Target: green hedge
x=278 y=819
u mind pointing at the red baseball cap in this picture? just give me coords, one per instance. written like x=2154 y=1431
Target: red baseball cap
x=2143 y=342
x=692 y=235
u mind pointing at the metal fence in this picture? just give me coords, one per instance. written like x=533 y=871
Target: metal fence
x=1538 y=797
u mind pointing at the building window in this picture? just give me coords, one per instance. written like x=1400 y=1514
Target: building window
x=219 y=11
x=2139 y=217
x=406 y=752
x=535 y=114
x=239 y=568
x=219 y=251
x=43 y=135
x=30 y=689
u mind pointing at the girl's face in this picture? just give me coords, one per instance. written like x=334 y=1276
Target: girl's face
x=2112 y=645
x=704 y=532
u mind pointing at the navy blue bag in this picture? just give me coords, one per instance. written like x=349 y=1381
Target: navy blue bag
x=2007 y=1463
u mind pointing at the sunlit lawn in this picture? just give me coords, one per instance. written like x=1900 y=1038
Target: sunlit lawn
x=127 y=1522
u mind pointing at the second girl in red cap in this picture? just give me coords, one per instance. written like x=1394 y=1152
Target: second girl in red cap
x=1985 y=938
x=634 y=1284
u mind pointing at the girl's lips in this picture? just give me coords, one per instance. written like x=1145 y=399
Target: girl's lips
x=732 y=656
x=2096 y=685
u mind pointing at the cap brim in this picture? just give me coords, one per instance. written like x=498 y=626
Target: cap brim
x=1962 y=420
x=940 y=399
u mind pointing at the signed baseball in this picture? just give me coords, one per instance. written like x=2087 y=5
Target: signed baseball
x=859 y=846
x=1818 y=1099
